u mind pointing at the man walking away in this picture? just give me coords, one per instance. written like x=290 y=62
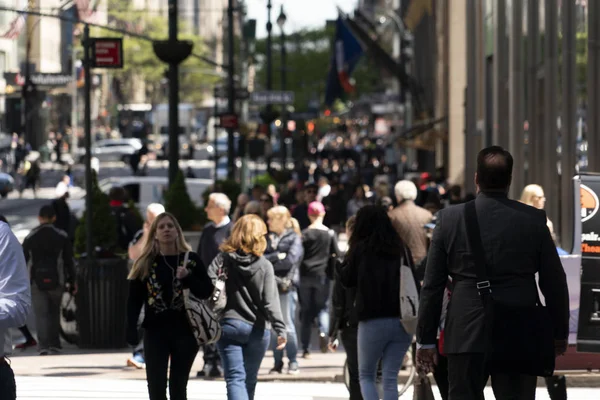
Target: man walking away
x=409 y=219
x=15 y=303
x=128 y=224
x=61 y=208
x=49 y=255
x=516 y=245
x=135 y=250
x=213 y=235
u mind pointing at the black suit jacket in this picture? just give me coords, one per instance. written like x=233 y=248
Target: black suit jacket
x=517 y=245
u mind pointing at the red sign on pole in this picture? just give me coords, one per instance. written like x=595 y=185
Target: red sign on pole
x=107 y=53
x=229 y=121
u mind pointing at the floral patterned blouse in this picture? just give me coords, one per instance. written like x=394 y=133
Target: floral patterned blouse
x=161 y=293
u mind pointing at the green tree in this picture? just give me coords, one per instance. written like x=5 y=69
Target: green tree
x=307 y=64
x=142 y=65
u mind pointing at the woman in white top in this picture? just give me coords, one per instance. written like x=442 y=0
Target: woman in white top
x=533 y=195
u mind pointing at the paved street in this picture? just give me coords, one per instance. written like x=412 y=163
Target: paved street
x=33 y=388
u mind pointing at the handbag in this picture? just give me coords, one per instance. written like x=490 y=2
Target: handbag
x=201 y=316
x=520 y=338
x=423 y=389
x=409 y=295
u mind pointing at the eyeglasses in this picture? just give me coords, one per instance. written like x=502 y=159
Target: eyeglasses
x=311 y=192
x=265 y=200
x=540 y=197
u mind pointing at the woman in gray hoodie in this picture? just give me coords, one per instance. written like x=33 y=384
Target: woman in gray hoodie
x=252 y=306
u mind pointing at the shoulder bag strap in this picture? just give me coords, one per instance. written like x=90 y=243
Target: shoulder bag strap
x=186 y=258
x=474 y=237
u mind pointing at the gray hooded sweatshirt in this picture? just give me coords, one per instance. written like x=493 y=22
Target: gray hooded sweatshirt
x=252 y=294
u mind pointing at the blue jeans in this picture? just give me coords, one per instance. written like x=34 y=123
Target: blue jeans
x=288 y=302
x=242 y=348
x=383 y=338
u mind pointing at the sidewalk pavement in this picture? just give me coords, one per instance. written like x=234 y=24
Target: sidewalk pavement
x=111 y=364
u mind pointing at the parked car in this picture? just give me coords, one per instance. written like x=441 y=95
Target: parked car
x=113 y=149
x=7 y=184
x=144 y=190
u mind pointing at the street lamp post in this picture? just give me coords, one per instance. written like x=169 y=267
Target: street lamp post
x=269 y=108
x=281 y=22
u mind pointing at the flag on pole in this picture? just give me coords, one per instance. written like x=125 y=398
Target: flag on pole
x=346 y=54
x=15 y=28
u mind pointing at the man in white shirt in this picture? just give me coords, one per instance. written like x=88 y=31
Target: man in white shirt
x=15 y=303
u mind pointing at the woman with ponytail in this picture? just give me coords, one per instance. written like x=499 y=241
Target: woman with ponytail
x=285 y=252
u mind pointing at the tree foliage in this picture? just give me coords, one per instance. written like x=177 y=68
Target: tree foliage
x=308 y=59
x=142 y=65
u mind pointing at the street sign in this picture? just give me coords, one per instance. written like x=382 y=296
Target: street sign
x=272 y=97
x=229 y=121
x=107 y=53
x=222 y=93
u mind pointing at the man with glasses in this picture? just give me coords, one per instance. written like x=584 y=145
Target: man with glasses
x=301 y=210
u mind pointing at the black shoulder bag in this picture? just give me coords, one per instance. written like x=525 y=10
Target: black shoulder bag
x=520 y=338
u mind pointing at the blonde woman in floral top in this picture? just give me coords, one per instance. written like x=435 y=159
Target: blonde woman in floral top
x=157 y=280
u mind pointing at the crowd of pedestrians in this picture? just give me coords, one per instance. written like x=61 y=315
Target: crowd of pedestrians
x=282 y=267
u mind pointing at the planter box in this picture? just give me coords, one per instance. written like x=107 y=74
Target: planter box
x=102 y=303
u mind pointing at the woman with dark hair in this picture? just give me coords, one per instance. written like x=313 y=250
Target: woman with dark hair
x=372 y=266
x=359 y=199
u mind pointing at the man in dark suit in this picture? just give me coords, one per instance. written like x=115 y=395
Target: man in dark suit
x=517 y=244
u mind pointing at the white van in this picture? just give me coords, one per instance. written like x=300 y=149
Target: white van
x=144 y=190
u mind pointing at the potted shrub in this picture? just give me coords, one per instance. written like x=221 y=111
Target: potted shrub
x=101 y=278
x=178 y=202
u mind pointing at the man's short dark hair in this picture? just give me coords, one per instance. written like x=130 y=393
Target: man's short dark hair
x=47 y=212
x=117 y=193
x=494 y=168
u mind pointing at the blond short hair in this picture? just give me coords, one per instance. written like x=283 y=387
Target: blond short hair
x=248 y=235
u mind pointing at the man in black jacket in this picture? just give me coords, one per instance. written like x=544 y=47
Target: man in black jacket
x=213 y=235
x=517 y=245
x=49 y=255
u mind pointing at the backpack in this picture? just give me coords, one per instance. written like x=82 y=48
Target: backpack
x=44 y=274
x=123 y=235
x=204 y=316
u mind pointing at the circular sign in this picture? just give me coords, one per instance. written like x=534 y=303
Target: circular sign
x=589 y=203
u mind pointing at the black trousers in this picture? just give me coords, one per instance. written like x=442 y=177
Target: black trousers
x=8 y=387
x=441 y=375
x=468 y=375
x=181 y=346
x=350 y=342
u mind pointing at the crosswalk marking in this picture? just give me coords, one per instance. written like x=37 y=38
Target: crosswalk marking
x=70 y=388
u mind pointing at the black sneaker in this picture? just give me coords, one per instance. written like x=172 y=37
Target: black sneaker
x=215 y=372
x=306 y=354
x=277 y=369
x=203 y=373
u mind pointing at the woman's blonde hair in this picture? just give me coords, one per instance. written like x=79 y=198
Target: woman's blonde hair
x=141 y=266
x=283 y=212
x=529 y=192
x=247 y=235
